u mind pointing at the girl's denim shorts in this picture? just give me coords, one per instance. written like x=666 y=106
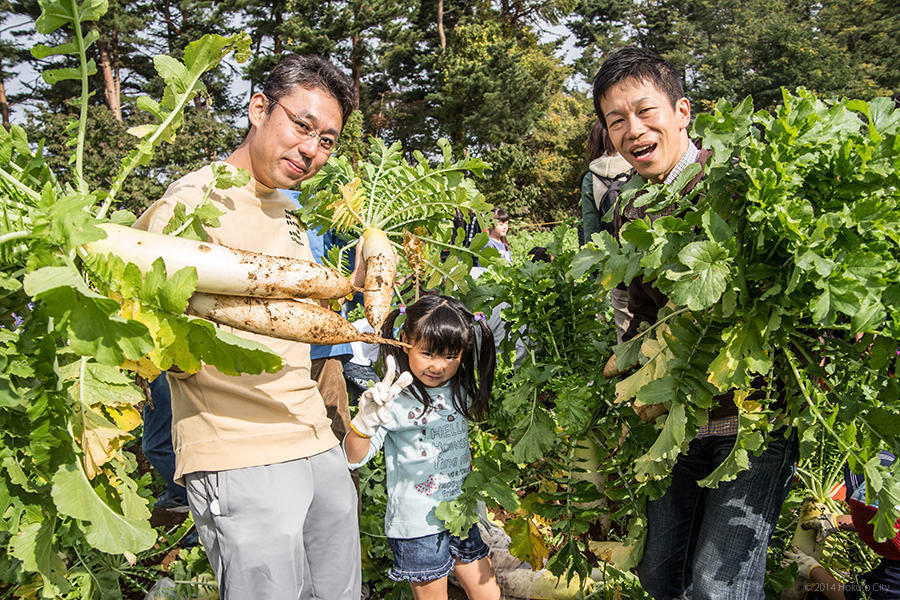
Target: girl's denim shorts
x=433 y=556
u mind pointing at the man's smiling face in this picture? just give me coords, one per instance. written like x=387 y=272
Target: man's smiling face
x=280 y=157
x=644 y=126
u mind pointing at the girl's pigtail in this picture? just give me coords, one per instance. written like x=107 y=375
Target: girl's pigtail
x=387 y=331
x=487 y=362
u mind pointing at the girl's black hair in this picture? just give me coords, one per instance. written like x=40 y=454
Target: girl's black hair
x=443 y=325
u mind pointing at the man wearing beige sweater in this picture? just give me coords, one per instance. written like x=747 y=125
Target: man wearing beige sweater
x=266 y=478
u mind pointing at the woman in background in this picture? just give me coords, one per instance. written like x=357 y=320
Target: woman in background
x=497 y=234
x=606 y=173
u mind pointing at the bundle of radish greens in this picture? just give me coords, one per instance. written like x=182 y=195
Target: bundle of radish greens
x=397 y=206
x=782 y=263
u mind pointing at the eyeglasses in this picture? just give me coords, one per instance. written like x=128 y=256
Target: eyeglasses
x=305 y=131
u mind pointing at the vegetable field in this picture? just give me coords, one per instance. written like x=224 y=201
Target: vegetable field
x=782 y=265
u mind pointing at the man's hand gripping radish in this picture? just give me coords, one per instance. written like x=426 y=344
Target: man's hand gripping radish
x=375 y=403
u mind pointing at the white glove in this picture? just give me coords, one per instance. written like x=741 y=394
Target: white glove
x=805 y=562
x=824 y=525
x=375 y=403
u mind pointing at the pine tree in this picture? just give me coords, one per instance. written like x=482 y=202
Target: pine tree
x=599 y=27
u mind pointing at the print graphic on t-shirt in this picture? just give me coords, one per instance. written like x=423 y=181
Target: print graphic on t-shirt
x=293 y=224
x=427 y=487
x=450 y=445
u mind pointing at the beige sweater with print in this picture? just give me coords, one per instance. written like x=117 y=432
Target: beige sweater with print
x=224 y=422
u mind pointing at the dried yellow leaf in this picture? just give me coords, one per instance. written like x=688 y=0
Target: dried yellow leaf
x=126 y=417
x=415 y=252
x=348 y=208
x=747 y=406
x=143 y=367
x=100 y=440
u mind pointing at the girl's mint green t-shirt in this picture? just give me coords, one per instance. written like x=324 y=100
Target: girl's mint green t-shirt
x=427 y=457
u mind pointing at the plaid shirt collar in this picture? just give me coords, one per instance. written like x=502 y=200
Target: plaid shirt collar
x=690 y=156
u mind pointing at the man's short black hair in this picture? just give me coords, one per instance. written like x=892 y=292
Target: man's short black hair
x=310 y=71
x=642 y=65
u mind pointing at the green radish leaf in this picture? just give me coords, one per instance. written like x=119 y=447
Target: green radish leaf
x=627 y=353
x=743 y=355
x=148 y=104
x=91 y=10
x=657 y=391
x=42 y=51
x=886 y=423
x=490 y=478
x=141 y=131
x=100 y=384
x=172 y=71
x=882 y=488
x=704 y=283
x=458 y=515
x=662 y=454
x=882 y=351
x=229 y=353
x=54 y=76
x=869 y=315
x=748 y=440
x=526 y=542
x=193 y=225
x=88 y=318
x=881 y=113
x=33 y=545
x=537 y=434
x=106 y=530
x=717 y=228
x=55 y=14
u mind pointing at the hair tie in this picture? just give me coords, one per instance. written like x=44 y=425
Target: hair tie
x=479 y=316
x=402 y=309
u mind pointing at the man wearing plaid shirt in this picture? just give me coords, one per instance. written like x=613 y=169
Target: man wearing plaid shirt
x=701 y=543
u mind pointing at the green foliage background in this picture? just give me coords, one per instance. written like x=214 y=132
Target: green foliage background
x=498 y=87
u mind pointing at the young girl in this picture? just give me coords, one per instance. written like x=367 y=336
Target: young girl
x=424 y=431
x=497 y=233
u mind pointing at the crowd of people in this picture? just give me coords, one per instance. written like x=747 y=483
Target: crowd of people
x=265 y=461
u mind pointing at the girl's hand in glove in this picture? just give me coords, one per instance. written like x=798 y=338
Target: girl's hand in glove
x=375 y=403
x=805 y=562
